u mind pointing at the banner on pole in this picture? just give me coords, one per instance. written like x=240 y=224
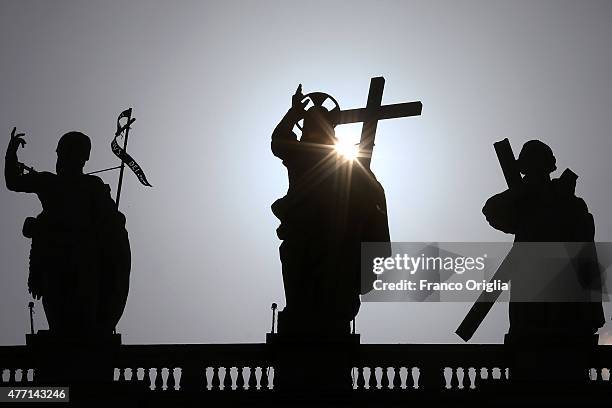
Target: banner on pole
x=121 y=153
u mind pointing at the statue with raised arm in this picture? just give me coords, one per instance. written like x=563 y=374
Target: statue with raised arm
x=332 y=205
x=80 y=253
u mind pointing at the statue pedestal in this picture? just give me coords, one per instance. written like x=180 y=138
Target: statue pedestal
x=73 y=361
x=549 y=358
x=312 y=362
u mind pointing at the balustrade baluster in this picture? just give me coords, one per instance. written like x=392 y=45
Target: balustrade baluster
x=205 y=378
x=454 y=378
x=473 y=378
x=159 y=379
x=414 y=378
x=447 y=376
x=486 y=375
x=372 y=380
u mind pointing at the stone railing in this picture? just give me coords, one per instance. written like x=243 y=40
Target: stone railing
x=16 y=366
x=196 y=367
x=247 y=368
x=414 y=367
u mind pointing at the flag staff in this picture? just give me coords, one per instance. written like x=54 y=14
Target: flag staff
x=126 y=128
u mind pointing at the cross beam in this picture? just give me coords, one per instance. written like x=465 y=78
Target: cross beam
x=372 y=113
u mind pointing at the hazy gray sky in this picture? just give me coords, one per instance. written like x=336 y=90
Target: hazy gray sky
x=209 y=81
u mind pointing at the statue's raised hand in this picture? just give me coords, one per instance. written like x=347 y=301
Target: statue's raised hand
x=296 y=99
x=16 y=140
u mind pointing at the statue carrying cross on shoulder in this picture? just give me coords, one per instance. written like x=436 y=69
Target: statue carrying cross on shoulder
x=332 y=206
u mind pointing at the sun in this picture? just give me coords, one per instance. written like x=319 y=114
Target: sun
x=347 y=143
x=347 y=150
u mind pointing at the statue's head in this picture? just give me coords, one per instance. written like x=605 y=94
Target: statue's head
x=536 y=159
x=72 y=151
x=318 y=127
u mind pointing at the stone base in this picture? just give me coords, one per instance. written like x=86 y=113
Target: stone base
x=73 y=361
x=552 y=359
x=292 y=322
x=314 y=362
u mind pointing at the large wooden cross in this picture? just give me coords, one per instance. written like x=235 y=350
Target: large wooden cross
x=372 y=113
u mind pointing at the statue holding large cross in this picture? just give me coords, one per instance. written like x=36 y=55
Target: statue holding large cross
x=333 y=205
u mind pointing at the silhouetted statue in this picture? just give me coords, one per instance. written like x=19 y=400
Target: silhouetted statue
x=332 y=205
x=80 y=255
x=539 y=209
